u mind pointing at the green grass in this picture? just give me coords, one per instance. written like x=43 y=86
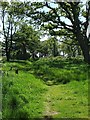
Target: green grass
x=22 y=95
x=59 y=70
x=68 y=100
x=45 y=93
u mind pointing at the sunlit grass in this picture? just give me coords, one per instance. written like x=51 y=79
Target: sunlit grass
x=26 y=96
x=69 y=100
x=22 y=95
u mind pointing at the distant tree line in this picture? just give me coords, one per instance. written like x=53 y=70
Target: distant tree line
x=24 y=23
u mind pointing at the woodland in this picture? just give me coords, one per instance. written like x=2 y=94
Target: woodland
x=44 y=60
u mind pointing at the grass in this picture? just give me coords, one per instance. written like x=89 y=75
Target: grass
x=43 y=88
x=68 y=100
x=22 y=95
x=59 y=70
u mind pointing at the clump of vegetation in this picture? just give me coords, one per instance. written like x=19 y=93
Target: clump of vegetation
x=60 y=70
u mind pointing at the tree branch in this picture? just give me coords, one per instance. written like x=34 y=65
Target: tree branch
x=59 y=21
x=64 y=6
x=67 y=43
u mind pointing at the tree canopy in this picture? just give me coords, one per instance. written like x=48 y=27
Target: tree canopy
x=67 y=21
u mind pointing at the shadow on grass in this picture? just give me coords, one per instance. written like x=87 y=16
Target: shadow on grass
x=48 y=118
x=21 y=65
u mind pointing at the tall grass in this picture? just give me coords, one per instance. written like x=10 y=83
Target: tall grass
x=60 y=70
x=22 y=95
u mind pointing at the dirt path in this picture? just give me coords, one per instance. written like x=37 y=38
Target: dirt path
x=48 y=103
x=66 y=101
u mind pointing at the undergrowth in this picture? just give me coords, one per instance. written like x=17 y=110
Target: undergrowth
x=22 y=94
x=58 y=70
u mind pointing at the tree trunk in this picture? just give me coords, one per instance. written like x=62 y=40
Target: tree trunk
x=24 y=51
x=33 y=55
x=54 y=48
x=8 y=56
x=81 y=37
x=6 y=50
x=83 y=42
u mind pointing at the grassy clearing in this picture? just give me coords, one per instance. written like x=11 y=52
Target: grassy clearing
x=26 y=96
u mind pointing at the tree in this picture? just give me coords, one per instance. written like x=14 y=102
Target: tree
x=70 y=49
x=53 y=46
x=71 y=11
x=26 y=40
x=11 y=18
x=6 y=30
x=49 y=47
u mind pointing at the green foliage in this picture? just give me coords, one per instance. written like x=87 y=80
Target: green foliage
x=26 y=39
x=60 y=70
x=49 y=47
x=54 y=21
x=26 y=97
x=22 y=93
